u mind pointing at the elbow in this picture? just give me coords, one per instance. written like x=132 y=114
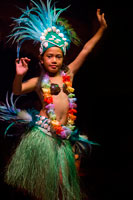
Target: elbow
x=16 y=92
x=87 y=49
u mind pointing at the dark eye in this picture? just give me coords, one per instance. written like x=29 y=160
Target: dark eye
x=49 y=56
x=59 y=56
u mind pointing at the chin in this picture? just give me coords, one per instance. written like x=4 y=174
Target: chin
x=53 y=71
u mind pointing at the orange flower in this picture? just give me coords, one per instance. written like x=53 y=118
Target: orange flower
x=68 y=83
x=71 y=116
x=46 y=95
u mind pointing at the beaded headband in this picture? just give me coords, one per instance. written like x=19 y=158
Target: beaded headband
x=42 y=25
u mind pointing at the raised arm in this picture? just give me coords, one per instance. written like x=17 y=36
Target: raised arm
x=77 y=63
x=21 y=69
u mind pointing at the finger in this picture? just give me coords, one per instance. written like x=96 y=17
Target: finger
x=27 y=60
x=103 y=15
x=98 y=11
x=24 y=63
x=17 y=60
x=99 y=15
x=103 y=19
x=24 y=60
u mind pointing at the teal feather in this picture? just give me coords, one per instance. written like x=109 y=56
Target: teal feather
x=9 y=112
x=10 y=125
x=82 y=143
x=35 y=20
x=16 y=117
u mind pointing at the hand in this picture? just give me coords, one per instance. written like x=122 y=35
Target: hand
x=22 y=66
x=101 y=19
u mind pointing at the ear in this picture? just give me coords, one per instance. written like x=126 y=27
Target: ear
x=41 y=59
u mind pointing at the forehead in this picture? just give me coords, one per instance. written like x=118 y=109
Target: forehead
x=54 y=50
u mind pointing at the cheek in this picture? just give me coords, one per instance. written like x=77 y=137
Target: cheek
x=46 y=61
x=61 y=61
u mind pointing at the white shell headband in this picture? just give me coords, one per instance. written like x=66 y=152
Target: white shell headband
x=53 y=37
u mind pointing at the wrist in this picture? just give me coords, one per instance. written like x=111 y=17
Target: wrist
x=103 y=27
x=19 y=76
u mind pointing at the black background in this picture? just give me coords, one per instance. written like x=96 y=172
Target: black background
x=104 y=88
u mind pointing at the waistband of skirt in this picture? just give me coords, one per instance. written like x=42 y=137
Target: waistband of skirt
x=43 y=124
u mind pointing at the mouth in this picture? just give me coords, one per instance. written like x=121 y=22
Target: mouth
x=53 y=66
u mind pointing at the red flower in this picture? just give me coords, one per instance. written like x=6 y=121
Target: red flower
x=72 y=111
x=66 y=78
x=58 y=129
x=48 y=100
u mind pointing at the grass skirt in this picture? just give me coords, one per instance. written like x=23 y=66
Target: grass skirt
x=37 y=164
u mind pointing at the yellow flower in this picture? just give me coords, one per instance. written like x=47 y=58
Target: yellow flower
x=52 y=116
x=55 y=123
x=70 y=121
x=70 y=89
x=46 y=90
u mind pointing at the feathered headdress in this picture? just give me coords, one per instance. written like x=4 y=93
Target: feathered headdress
x=43 y=25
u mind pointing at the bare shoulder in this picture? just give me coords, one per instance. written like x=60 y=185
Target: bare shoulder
x=70 y=72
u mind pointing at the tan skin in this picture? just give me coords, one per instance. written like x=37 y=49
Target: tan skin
x=52 y=61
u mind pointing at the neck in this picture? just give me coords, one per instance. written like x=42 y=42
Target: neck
x=54 y=74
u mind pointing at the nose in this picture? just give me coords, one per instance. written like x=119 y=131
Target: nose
x=54 y=60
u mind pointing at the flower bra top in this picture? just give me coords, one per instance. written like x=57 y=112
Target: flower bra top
x=55 y=89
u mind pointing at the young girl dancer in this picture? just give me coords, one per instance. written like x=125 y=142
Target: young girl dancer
x=43 y=163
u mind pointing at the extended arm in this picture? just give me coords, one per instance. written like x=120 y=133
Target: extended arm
x=77 y=63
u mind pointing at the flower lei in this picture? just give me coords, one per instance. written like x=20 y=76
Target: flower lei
x=60 y=130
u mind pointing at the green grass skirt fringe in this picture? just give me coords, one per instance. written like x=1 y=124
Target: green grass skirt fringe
x=36 y=165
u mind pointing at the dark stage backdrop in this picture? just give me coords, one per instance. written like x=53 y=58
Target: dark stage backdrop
x=104 y=87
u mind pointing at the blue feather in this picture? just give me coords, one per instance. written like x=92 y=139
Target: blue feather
x=14 y=116
x=34 y=21
x=9 y=112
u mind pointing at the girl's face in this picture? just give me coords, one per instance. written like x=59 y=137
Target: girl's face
x=52 y=59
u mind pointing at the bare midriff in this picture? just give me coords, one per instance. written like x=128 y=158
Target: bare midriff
x=61 y=105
